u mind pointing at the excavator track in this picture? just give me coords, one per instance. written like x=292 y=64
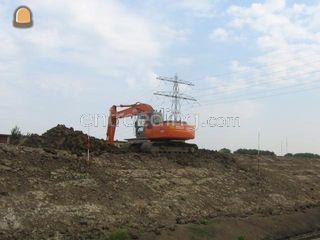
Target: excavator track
x=147 y=146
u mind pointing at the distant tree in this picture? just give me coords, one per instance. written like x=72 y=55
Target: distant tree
x=289 y=155
x=225 y=151
x=306 y=155
x=254 y=152
x=15 y=135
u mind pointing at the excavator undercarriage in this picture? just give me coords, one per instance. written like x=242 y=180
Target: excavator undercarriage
x=164 y=146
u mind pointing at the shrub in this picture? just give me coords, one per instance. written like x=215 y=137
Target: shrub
x=204 y=222
x=15 y=135
x=225 y=151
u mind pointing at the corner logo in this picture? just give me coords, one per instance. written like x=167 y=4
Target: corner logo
x=22 y=17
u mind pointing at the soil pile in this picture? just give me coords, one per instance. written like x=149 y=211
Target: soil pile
x=63 y=138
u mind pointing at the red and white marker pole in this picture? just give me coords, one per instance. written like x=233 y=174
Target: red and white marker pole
x=88 y=147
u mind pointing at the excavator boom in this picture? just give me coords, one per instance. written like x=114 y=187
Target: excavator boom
x=129 y=111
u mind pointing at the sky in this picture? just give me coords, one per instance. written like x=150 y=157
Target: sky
x=256 y=61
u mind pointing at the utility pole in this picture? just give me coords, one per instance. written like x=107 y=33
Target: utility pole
x=259 y=157
x=281 y=147
x=175 y=94
x=259 y=143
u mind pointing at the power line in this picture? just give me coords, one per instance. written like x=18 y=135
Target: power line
x=175 y=80
x=257 y=84
x=260 y=97
x=257 y=67
x=267 y=74
x=179 y=95
x=243 y=93
x=221 y=100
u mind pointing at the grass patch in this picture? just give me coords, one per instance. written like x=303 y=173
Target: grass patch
x=199 y=230
x=120 y=234
x=204 y=222
x=141 y=231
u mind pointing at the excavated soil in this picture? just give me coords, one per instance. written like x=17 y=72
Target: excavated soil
x=63 y=138
x=54 y=194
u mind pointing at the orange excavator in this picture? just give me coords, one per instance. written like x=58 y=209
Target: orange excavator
x=153 y=134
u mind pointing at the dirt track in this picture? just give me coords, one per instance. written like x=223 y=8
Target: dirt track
x=53 y=194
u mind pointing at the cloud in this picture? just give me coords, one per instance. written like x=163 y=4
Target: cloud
x=88 y=48
x=226 y=35
x=286 y=36
x=198 y=8
x=220 y=86
x=219 y=34
x=90 y=35
x=244 y=109
x=274 y=18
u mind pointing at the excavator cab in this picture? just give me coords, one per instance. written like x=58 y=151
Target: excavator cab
x=140 y=125
x=148 y=120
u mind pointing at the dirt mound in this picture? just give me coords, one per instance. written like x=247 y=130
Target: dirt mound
x=202 y=157
x=63 y=138
x=46 y=195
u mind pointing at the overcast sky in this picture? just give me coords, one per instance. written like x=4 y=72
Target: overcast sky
x=256 y=60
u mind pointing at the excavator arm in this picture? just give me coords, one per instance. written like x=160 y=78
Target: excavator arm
x=128 y=111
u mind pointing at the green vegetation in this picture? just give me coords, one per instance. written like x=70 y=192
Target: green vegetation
x=225 y=151
x=15 y=135
x=141 y=231
x=303 y=155
x=204 y=221
x=120 y=234
x=254 y=152
x=241 y=238
x=199 y=230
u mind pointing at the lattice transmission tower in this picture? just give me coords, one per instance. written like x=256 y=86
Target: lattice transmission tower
x=175 y=94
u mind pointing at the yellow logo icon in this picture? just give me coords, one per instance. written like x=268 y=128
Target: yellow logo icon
x=23 y=17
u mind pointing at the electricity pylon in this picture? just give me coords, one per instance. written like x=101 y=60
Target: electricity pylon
x=175 y=94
